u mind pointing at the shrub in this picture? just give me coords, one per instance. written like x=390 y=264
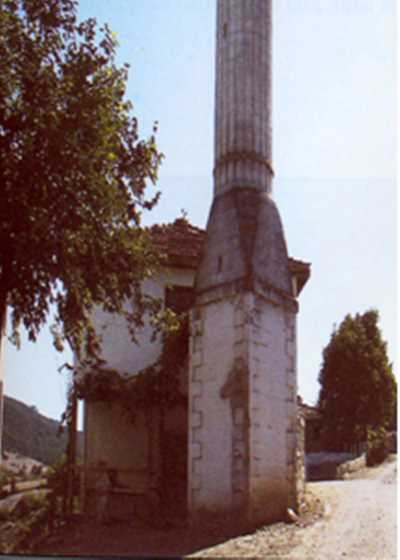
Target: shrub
x=3 y=478
x=377 y=449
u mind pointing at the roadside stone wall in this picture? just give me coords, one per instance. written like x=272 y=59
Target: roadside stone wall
x=351 y=466
x=324 y=465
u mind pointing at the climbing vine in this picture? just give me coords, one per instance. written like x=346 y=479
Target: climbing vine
x=154 y=386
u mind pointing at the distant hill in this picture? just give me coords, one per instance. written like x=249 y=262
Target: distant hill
x=29 y=433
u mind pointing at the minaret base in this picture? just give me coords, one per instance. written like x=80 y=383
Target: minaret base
x=242 y=408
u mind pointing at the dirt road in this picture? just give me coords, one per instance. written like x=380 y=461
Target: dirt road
x=360 y=524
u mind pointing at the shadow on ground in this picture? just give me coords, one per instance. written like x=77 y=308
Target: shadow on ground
x=86 y=537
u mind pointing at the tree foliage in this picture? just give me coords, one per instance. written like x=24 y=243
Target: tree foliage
x=358 y=388
x=74 y=175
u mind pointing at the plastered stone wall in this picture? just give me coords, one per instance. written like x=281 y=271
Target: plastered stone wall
x=130 y=442
x=210 y=425
x=351 y=466
x=273 y=410
x=242 y=409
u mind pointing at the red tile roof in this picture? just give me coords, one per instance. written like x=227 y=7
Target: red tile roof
x=180 y=242
x=301 y=270
x=309 y=412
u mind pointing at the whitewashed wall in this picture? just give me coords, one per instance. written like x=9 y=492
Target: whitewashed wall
x=210 y=449
x=273 y=394
x=118 y=349
x=125 y=442
x=242 y=409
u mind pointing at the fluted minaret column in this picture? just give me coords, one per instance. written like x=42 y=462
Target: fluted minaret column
x=243 y=137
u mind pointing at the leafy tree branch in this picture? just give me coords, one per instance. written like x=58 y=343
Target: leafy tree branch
x=75 y=176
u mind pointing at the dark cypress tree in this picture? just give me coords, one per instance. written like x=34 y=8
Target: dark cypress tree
x=358 y=388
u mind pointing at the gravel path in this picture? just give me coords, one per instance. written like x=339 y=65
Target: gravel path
x=361 y=522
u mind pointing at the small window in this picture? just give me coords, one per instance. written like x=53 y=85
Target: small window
x=179 y=298
x=225 y=30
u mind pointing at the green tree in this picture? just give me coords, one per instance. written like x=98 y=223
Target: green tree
x=358 y=388
x=74 y=175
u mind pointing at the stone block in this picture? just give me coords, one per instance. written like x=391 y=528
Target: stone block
x=195 y=450
x=195 y=314
x=290 y=347
x=291 y=395
x=196 y=419
x=291 y=442
x=195 y=481
x=197 y=328
x=238 y=464
x=196 y=373
x=197 y=391
x=240 y=349
x=292 y=422
x=290 y=367
x=238 y=316
x=258 y=449
x=197 y=343
x=197 y=358
x=238 y=416
x=259 y=343
x=238 y=435
x=257 y=467
x=196 y=467
x=256 y=332
x=240 y=332
x=197 y=435
x=290 y=474
x=239 y=449
x=291 y=376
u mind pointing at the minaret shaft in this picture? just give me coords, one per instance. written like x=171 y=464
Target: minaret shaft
x=243 y=138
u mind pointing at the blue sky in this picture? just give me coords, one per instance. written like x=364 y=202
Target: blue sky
x=334 y=123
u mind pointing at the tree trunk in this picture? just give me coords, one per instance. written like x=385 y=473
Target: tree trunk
x=71 y=454
x=3 y=322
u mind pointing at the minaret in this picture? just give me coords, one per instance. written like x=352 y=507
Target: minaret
x=242 y=386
